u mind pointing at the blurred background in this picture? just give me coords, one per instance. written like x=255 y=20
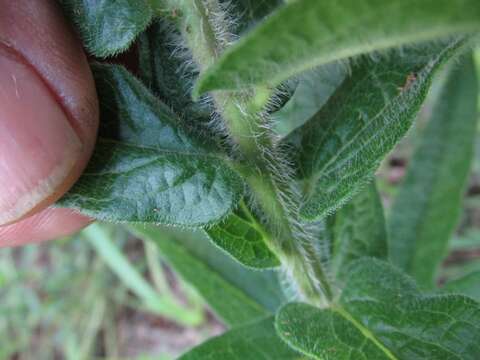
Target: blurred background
x=103 y=294
x=100 y=294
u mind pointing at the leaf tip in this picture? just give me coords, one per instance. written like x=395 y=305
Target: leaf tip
x=203 y=85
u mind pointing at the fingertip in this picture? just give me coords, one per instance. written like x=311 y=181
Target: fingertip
x=46 y=225
x=48 y=108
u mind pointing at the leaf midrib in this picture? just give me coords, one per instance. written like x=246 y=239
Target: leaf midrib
x=379 y=43
x=365 y=331
x=428 y=71
x=160 y=149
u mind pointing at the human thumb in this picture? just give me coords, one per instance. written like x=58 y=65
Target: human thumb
x=48 y=108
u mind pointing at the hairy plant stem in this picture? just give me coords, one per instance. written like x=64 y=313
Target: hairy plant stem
x=206 y=34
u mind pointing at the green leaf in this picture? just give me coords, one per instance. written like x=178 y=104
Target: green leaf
x=108 y=26
x=426 y=209
x=313 y=90
x=165 y=72
x=339 y=149
x=382 y=315
x=359 y=230
x=145 y=168
x=467 y=285
x=308 y=33
x=242 y=237
x=257 y=341
x=160 y=69
x=236 y=294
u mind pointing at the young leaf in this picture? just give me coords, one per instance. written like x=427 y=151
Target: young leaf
x=145 y=168
x=241 y=236
x=382 y=315
x=427 y=206
x=257 y=341
x=467 y=285
x=164 y=71
x=308 y=33
x=340 y=148
x=236 y=294
x=160 y=68
x=359 y=230
x=109 y=26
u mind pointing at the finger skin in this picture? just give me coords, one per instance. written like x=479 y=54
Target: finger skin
x=47 y=224
x=36 y=32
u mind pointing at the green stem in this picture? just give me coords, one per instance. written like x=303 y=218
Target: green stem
x=256 y=157
x=292 y=244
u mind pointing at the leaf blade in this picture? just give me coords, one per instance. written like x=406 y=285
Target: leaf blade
x=236 y=294
x=244 y=240
x=426 y=210
x=145 y=167
x=359 y=230
x=108 y=27
x=382 y=315
x=308 y=33
x=243 y=343
x=338 y=150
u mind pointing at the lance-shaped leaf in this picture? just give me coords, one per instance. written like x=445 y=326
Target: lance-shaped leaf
x=145 y=168
x=382 y=315
x=359 y=230
x=108 y=26
x=426 y=210
x=340 y=148
x=307 y=33
x=235 y=293
x=257 y=341
x=242 y=237
x=467 y=285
